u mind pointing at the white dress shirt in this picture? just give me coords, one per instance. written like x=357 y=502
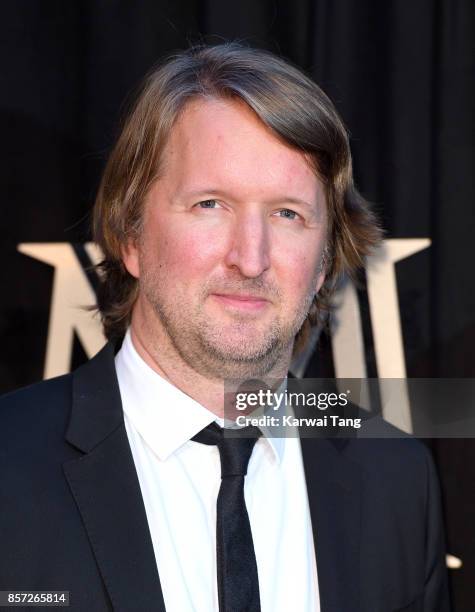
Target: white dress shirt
x=180 y=479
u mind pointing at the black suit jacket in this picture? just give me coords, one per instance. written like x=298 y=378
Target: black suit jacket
x=72 y=516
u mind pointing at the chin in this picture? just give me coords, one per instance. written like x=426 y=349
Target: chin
x=243 y=351
x=242 y=343
x=238 y=370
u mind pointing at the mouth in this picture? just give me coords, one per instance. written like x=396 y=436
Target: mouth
x=243 y=302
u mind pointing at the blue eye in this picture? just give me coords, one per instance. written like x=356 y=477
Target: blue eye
x=285 y=213
x=207 y=204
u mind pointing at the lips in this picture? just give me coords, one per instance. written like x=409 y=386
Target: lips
x=241 y=301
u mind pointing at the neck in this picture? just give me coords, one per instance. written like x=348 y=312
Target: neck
x=155 y=347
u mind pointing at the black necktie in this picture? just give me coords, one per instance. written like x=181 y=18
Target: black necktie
x=238 y=584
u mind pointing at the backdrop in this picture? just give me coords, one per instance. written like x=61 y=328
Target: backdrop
x=400 y=73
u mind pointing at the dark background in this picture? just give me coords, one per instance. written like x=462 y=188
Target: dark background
x=401 y=74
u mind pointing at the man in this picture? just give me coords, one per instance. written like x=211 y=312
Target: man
x=226 y=214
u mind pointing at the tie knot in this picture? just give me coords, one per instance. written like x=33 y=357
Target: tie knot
x=235 y=448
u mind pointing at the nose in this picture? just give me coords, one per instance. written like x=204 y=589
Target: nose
x=249 y=244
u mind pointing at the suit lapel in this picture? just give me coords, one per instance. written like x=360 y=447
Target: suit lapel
x=333 y=486
x=105 y=486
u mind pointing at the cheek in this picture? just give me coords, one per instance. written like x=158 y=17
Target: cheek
x=298 y=281
x=186 y=249
x=296 y=269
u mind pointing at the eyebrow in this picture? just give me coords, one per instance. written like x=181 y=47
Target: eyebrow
x=293 y=200
x=196 y=193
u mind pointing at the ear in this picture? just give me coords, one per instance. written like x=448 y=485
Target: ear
x=130 y=257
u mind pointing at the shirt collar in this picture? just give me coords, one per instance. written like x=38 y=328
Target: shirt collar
x=164 y=416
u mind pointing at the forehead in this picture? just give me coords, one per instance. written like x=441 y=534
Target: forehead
x=222 y=143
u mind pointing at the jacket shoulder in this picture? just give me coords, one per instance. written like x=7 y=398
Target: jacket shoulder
x=33 y=413
x=384 y=445
x=396 y=464
x=46 y=390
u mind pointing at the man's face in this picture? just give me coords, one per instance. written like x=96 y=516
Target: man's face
x=229 y=258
